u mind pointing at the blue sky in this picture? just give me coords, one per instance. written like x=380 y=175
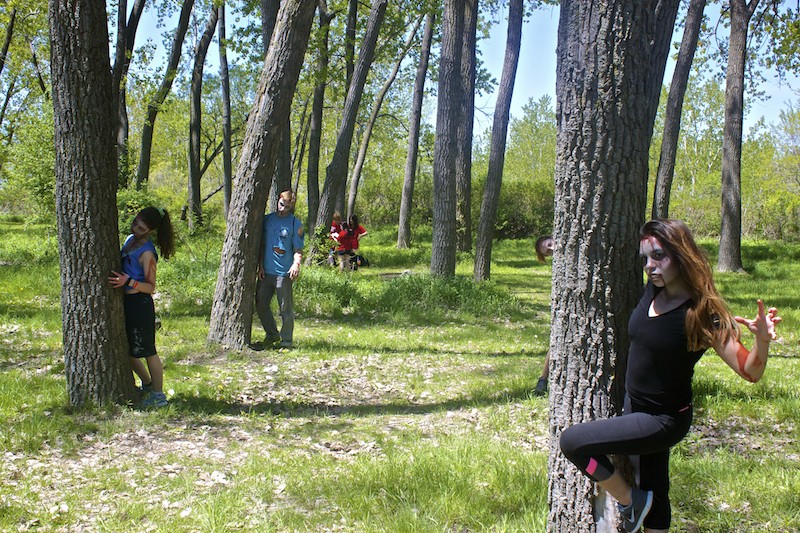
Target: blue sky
x=536 y=74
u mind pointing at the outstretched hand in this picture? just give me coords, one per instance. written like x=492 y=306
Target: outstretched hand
x=763 y=325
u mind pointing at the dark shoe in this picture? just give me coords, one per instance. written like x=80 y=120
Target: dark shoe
x=634 y=514
x=541 y=387
x=155 y=399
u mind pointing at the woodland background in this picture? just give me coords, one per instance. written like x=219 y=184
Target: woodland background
x=770 y=151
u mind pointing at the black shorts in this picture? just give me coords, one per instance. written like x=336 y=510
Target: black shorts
x=140 y=324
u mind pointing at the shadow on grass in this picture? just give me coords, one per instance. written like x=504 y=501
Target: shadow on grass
x=290 y=409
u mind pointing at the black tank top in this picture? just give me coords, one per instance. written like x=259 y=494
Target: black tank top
x=660 y=366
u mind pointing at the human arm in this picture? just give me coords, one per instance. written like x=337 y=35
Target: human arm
x=750 y=364
x=120 y=279
x=294 y=270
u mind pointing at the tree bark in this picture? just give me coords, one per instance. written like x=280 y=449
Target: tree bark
x=404 y=223
x=445 y=149
x=317 y=107
x=227 y=166
x=373 y=118
x=143 y=174
x=196 y=121
x=232 y=309
x=497 y=150
x=730 y=235
x=350 y=42
x=465 y=127
x=336 y=172
x=95 y=344
x=672 y=119
x=610 y=66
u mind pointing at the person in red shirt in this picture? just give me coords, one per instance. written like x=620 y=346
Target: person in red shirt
x=348 y=239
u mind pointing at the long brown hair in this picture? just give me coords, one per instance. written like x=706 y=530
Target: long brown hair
x=708 y=318
x=158 y=220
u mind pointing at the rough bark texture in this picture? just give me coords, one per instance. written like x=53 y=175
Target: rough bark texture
x=497 y=150
x=317 y=107
x=143 y=174
x=336 y=173
x=227 y=166
x=465 y=127
x=672 y=120
x=355 y=178
x=404 y=224
x=95 y=344
x=611 y=60
x=196 y=121
x=232 y=310
x=730 y=235
x=445 y=148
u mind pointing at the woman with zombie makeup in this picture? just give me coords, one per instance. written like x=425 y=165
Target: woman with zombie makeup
x=678 y=318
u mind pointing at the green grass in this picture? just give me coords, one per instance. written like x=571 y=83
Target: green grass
x=407 y=406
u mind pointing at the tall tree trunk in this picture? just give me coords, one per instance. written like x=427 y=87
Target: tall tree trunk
x=143 y=174
x=497 y=150
x=445 y=148
x=227 y=167
x=126 y=36
x=672 y=119
x=464 y=133
x=232 y=310
x=350 y=43
x=730 y=235
x=376 y=109
x=317 y=106
x=404 y=223
x=610 y=66
x=336 y=173
x=196 y=121
x=269 y=16
x=95 y=344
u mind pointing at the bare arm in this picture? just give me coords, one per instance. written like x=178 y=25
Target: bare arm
x=750 y=364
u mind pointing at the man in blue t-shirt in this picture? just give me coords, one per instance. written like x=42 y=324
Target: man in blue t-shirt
x=278 y=266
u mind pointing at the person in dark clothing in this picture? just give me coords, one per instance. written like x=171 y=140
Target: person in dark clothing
x=678 y=318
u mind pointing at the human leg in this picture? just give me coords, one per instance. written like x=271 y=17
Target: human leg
x=634 y=434
x=286 y=308
x=265 y=290
x=139 y=368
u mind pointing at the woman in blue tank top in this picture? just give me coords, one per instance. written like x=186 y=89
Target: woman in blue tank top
x=138 y=280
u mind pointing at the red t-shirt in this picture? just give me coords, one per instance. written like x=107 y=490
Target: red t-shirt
x=348 y=239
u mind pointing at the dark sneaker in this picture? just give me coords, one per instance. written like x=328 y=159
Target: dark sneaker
x=287 y=345
x=541 y=387
x=634 y=514
x=155 y=399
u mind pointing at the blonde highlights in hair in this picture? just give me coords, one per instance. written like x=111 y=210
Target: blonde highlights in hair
x=708 y=318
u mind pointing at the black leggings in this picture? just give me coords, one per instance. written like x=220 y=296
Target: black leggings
x=645 y=437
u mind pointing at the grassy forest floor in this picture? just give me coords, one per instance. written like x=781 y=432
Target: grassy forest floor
x=407 y=405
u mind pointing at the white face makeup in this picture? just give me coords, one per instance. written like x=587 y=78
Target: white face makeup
x=284 y=207
x=660 y=266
